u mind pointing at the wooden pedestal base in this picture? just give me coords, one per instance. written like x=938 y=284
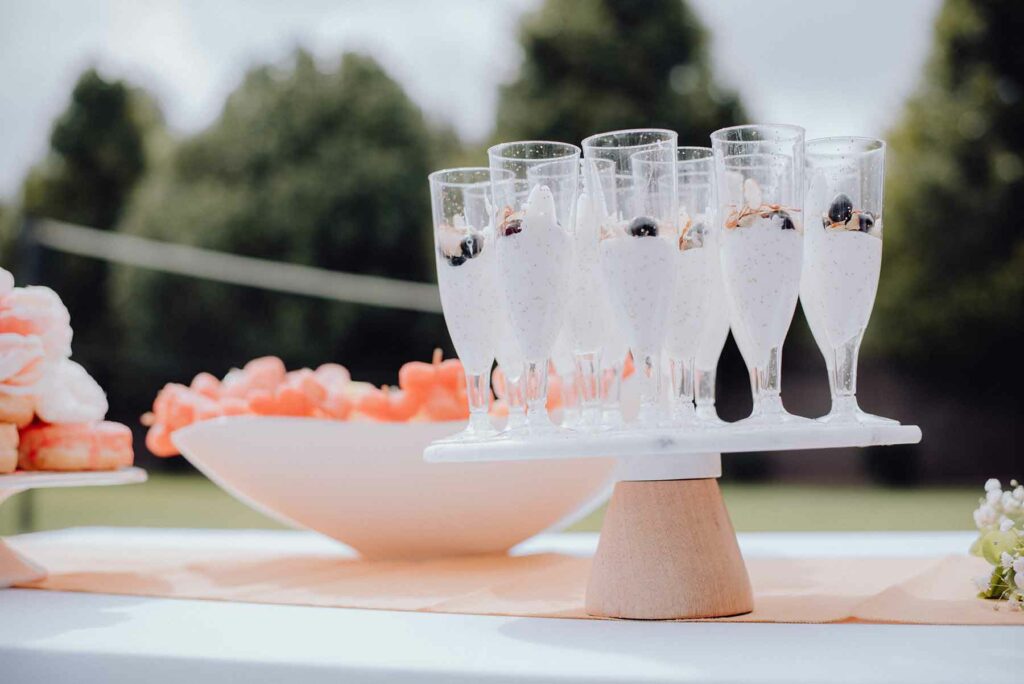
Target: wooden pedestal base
x=668 y=551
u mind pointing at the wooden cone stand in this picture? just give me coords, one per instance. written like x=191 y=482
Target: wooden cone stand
x=668 y=551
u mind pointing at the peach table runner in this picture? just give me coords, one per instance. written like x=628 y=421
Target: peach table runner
x=892 y=590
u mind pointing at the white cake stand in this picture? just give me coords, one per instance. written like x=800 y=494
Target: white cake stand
x=15 y=568
x=668 y=549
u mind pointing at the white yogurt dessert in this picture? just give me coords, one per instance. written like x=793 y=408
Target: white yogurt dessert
x=534 y=258
x=810 y=302
x=713 y=334
x=638 y=264
x=842 y=273
x=510 y=361
x=585 y=317
x=689 y=307
x=467 y=278
x=761 y=266
x=640 y=275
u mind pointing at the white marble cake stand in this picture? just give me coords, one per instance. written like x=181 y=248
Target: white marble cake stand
x=667 y=548
x=15 y=568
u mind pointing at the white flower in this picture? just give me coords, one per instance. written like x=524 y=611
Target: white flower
x=1005 y=524
x=985 y=516
x=1018 y=564
x=1018 y=493
x=992 y=484
x=993 y=496
x=981 y=581
x=1018 y=579
x=1009 y=502
x=1005 y=560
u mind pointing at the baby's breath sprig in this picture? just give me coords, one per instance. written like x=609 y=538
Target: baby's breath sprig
x=1000 y=520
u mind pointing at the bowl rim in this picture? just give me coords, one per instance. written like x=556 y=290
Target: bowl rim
x=219 y=421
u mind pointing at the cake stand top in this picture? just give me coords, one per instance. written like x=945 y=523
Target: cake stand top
x=658 y=444
x=22 y=480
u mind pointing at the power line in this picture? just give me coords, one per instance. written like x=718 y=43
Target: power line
x=223 y=267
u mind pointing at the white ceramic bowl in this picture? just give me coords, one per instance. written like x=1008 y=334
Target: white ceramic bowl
x=366 y=484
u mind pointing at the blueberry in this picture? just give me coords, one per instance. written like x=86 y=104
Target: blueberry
x=642 y=226
x=841 y=209
x=866 y=221
x=512 y=226
x=471 y=245
x=787 y=222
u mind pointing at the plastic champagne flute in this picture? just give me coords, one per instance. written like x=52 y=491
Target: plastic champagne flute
x=842 y=259
x=637 y=248
x=534 y=254
x=465 y=252
x=716 y=327
x=587 y=315
x=689 y=308
x=759 y=185
x=511 y=363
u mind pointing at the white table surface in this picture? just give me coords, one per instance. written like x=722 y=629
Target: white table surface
x=56 y=636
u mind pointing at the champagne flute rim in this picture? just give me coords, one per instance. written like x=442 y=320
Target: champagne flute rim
x=494 y=151
x=869 y=145
x=796 y=132
x=440 y=175
x=588 y=142
x=707 y=152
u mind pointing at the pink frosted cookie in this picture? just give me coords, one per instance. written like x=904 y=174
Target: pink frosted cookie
x=73 y=447
x=8 y=448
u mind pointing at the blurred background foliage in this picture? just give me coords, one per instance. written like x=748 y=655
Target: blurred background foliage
x=610 y=64
x=326 y=164
x=951 y=302
x=316 y=165
x=101 y=147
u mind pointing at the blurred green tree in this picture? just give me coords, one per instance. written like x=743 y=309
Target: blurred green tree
x=610 y=64
x=323 y=166
x=952 y=293
x=98 y=152
x=100 y=147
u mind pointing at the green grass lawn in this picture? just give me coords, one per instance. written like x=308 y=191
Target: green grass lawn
x=193 y=501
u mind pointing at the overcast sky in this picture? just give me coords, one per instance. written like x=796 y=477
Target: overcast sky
x=834 y=67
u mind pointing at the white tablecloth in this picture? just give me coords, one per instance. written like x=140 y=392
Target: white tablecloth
x=54 y=636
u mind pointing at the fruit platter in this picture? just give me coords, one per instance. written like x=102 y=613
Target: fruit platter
x=261 y=430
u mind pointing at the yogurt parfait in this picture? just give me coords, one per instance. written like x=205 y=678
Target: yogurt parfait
x=638 y=249
x=696 y=265
x=713 y=334
x=758 y=173
x=466 y=258
x=534 y=256
x=843 y=258
x=586 y=312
